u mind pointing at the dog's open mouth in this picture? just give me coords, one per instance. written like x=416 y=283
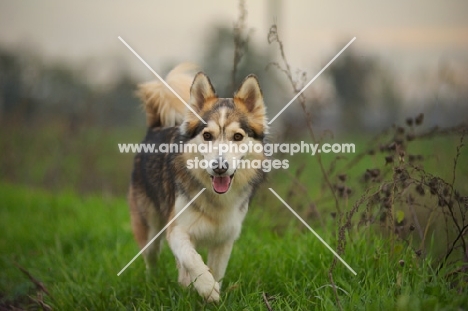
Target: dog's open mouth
x=221 y=184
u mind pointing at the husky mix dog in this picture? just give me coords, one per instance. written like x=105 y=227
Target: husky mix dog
x=162 y=184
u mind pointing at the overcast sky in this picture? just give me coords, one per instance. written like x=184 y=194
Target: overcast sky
x=407 y=34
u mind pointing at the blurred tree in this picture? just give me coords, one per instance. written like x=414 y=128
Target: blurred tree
x=31 y=89
x=448 y=94
x=120 y=105
x=10 y=82
x=350 y=74
x=366 y=92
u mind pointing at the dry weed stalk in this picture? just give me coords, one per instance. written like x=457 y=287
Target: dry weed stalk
x=241 y=40
x=398 y=183
x=273 y=37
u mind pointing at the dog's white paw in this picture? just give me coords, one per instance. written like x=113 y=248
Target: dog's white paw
x=214 y=294
x=207 y=287
x=184 y=278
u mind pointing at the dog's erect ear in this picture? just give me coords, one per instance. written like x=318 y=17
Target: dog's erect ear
x=250 y=94
x=201 y=91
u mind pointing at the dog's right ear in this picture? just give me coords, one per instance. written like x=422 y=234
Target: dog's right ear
x=201 y=91
x=202 y=95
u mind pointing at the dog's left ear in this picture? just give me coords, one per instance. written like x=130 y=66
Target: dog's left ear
x=250 y=95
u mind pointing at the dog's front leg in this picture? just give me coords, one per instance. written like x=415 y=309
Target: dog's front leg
x=191 y=263
x=218 y=258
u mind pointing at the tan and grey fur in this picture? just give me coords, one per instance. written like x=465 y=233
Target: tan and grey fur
x=162 y=184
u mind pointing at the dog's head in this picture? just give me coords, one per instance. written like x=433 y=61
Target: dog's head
x=234 y=126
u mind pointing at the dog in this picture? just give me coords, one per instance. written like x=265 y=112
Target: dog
x=162 y=183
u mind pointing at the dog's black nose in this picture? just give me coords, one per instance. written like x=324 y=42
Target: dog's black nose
x=220 y=167
x=220 y=170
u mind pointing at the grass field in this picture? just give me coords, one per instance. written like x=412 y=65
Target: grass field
x=75 y=246
x=74 y=241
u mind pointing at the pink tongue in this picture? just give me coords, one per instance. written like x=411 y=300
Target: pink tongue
x=221 y=183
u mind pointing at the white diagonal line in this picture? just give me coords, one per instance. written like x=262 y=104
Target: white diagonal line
x=162 y=230
x=164 y=82
x=312 y=230
x=313 y=79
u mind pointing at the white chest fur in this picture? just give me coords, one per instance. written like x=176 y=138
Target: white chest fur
x=212 y=224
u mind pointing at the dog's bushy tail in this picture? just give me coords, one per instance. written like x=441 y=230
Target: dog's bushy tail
x=162 y=107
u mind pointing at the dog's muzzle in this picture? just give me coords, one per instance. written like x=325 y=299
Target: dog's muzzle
x=221 y=183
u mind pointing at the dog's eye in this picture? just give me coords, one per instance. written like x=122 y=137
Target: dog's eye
x=207 y=136
x=238 y=137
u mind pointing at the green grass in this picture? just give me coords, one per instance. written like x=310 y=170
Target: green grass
x=55 y=157
x=64 y=218
x=76 y=244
